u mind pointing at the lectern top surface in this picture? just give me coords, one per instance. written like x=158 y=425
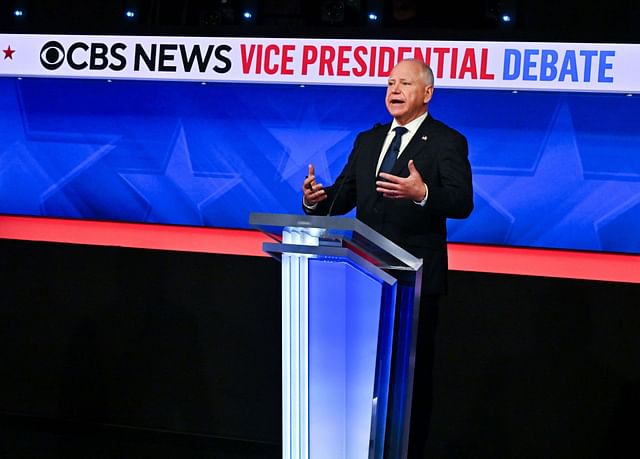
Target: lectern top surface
x=350 y=233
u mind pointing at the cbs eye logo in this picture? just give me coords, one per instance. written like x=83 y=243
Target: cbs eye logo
x=52 y=55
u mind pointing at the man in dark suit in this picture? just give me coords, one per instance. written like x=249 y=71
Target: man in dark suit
x=405 y=179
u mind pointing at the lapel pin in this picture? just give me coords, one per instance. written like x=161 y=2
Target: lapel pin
x=424 y=138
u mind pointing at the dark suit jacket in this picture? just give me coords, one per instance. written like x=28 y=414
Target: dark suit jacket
x=440 y=154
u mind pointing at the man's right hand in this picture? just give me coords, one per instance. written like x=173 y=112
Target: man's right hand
x=313 y=192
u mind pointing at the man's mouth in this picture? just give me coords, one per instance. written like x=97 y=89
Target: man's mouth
x=396 y=101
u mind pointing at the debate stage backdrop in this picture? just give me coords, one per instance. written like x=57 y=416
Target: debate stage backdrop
x=556 y=169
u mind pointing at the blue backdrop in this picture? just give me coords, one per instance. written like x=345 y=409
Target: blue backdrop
x=551 y=169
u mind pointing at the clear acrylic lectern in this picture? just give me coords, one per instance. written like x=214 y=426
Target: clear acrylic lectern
x=350 y=301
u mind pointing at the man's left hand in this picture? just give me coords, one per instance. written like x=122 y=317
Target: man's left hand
x=394 y=187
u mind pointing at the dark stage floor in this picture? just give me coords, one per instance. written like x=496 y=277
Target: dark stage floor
x=33 y=438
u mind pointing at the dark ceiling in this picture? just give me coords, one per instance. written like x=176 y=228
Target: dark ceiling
x=541 y=20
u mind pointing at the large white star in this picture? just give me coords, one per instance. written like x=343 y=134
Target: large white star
x=304 y=144
x=178 y=194
x=557 y=199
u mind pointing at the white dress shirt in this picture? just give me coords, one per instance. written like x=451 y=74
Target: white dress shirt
x=412 y=128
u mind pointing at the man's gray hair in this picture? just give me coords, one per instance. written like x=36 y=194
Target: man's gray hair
x=425 y=70
x=428 y=74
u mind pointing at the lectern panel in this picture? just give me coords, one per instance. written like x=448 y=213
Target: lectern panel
x=344 y=319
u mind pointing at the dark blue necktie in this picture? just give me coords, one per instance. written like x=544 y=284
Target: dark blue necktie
x=392 y=153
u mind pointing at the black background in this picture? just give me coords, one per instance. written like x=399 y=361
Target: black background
x=116 y=352
x=532 y=20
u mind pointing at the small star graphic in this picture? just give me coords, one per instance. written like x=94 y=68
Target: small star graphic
x=8 y=53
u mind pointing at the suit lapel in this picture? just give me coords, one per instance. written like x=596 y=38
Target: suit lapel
x=377 y=140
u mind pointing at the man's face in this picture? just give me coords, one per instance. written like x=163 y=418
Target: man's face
x=407 y=93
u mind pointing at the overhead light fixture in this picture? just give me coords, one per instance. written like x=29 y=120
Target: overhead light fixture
x=18 y=10
x=131 y=10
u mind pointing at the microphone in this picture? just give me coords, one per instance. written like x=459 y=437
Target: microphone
x=344 y=179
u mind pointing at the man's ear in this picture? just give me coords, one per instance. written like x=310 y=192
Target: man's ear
x=428 y=93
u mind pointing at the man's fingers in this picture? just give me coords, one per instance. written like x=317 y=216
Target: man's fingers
x=391 y=190
x=307 y=185
x=393 y=195
x=309 y=180
x=381 y=184
x=390 y=178
x=316 y=196
x=314 y=192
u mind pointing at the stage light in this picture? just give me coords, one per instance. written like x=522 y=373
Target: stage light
x=505 y=13
x=247 y=15
x=131 y=10
x=374 y=14
x=18 y=9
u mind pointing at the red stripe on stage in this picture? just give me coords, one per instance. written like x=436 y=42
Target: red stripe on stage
x=136 y=235
x=462 y=257
x=545 y=262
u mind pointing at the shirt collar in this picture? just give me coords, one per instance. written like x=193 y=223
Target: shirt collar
x=411 y=126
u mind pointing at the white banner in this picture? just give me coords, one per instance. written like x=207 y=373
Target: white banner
x=456 y=64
